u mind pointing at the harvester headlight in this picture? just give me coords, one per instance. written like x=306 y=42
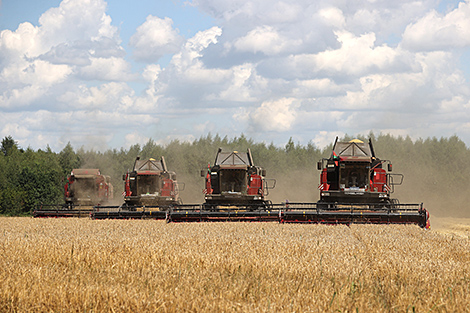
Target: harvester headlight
x=325 y=194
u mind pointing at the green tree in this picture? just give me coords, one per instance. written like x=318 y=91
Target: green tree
x=9 y=146
x=68 y=159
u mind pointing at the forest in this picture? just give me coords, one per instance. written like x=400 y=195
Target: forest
x=435 y=169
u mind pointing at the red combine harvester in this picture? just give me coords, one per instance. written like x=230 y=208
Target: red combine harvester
x=355 y=188
x=149 y=190
x=84 y=189
x=235 y=190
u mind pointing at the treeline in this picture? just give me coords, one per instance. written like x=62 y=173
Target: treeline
x=435 y=170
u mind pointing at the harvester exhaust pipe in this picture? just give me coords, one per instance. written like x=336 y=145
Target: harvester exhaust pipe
x=371 y=148
x=217 y=155
x=250 y=157
x=136 y=159
x=334 y=146
x=164 y=164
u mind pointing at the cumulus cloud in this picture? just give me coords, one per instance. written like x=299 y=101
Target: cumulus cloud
x=333 y=16
x=106 y=97
x=134 y=138
x=436 y=31
x=76 y=20
x=155 y=38
x=186 y=80
x=264 y=39
x=269 y=69
x=45 y=69
x=357 y=55
x=277 y=115
x=74 y=39
x=107 y=69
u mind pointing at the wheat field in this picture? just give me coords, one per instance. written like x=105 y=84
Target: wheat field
x=82 y=265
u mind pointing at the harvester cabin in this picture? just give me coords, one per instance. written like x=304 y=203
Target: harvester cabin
x=85 y=185
x=232 y=168
x=146 y=178
x=354 y=167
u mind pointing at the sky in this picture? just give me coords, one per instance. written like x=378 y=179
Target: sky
x=110 y=74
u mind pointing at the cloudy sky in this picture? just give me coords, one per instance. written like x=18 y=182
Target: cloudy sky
x=109 y=74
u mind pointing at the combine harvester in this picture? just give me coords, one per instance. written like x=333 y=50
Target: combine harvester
x=355 y=188
x=235 y=190
x=84 y=189
x=149 y=191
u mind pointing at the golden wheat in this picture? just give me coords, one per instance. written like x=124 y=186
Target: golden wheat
x=81 y=265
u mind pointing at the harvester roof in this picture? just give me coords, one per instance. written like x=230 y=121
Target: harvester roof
x=149 y=165
x=354 y=149
x=233 y=159
x=85 y=172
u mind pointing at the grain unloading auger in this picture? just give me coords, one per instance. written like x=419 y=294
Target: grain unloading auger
x=355 y=188
x=84 y=189
x=149 y=191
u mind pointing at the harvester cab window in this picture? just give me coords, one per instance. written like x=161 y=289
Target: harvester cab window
x=84 y=188
x=148 y=185
x=354 y=176
x=232 y=180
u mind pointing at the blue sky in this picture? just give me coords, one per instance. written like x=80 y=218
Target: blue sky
x=109 y=74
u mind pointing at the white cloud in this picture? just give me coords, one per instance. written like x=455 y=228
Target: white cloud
x=20 y=43
x=155 y=38
x=333 y=16
x=357 y=55
x=107 y=69
x=15 y=130
x=277 y=115
x=270 y=69
x=76 y=20
x=242 y=86
x=264 y=39
x=193 y=47
x=39 y=62
x=135 y=138
x=108 y=97
x=435 y=31
x=309 y=88
x=325 y=138
x=204 y=128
